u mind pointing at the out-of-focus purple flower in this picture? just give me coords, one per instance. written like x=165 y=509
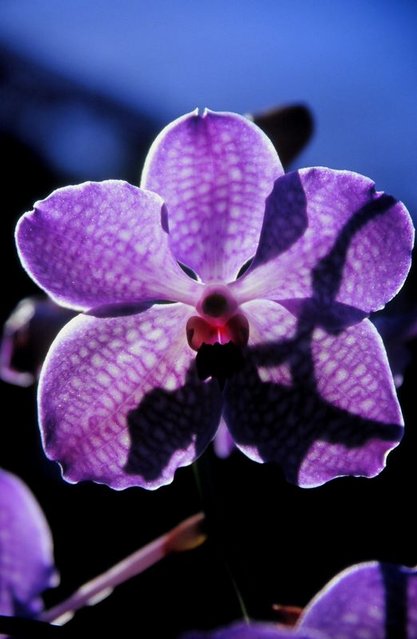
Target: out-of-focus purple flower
x=27 y=336
x=366 y=601
x=135 y=386
x=26 y=559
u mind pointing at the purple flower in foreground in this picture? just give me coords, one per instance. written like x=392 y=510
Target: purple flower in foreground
x=284 y=353
x=26 y=560
x=367 y=601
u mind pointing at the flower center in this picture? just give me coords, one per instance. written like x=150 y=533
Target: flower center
x=219 y=320
x=215 y=305
x=218 y=334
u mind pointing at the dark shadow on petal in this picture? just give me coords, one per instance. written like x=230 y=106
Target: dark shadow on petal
x=283 y=422
x=333 y=319
x=285 y=219
x=169 y=421
x=396 y=608
x=327 y=275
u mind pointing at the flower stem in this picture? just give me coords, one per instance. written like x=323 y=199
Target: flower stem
x=186 y=536
x=243 y=609
x=205 y=486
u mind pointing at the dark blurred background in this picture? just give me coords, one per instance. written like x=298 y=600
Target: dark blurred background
x=84 y=88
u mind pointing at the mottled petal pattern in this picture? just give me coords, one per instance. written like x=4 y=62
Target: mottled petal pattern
x=353 y=377
x=370 y=600
x=120 y=402
x=214 y=172
x=26 y=560
x=101 y=243
x=322 y=405
x=329 y=235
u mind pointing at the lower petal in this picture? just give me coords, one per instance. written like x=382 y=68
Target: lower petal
x=321 y=405
x=367 y=600
x=120 y=402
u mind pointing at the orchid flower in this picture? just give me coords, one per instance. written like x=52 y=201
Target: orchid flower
x=220 y=291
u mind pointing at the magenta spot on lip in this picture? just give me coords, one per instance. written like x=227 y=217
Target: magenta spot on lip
x=200 y=331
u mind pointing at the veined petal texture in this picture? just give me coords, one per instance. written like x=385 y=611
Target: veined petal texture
x=214 y=172
x=101 y=243
x=329 y=235
x=320 y=404
x=120 y=401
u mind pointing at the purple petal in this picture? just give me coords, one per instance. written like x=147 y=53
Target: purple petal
x=214 y=172
x=321 y=405
x=26 y=560
x=370 y=600
x=120 y=402
x=101 y=243
x=329 y=235
x=255 y=631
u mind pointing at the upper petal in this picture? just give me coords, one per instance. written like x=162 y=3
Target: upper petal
x=120 y=402
x=329 y=235
x=101 y=243
x=26 y=560
x=320 y=404
x=367 y=600
x=214 y=172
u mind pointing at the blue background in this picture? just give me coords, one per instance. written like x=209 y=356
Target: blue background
x=354 y=64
